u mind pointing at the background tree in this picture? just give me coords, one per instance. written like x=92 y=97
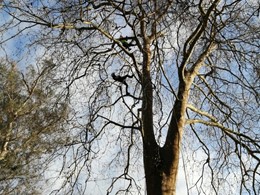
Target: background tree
x=195 y=85
x=30 y=119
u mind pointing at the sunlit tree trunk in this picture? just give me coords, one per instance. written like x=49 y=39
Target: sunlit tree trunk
x=161 y=163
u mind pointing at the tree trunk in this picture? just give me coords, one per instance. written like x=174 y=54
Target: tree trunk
x=161 y=167
x=161 y=163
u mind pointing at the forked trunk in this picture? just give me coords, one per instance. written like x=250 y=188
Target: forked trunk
x=161 y=163
x=161 y=167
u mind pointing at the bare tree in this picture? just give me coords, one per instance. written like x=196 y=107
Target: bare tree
x=186 y=73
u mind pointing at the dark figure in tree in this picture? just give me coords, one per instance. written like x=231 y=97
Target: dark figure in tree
x=122 y=79
x=125 y=43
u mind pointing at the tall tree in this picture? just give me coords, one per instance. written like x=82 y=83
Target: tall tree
x=193 y=81
x=30 y=120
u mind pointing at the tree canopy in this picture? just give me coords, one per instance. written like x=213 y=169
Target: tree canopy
x=30 y=119
x=191 y=90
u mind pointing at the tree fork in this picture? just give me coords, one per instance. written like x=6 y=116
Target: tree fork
x=161 y=163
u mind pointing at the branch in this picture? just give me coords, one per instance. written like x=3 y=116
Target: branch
x=190 y=44
x=117 y=124
x=231 y=134
x=194 y=109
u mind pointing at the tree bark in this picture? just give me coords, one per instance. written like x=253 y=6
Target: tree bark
x=161 y=163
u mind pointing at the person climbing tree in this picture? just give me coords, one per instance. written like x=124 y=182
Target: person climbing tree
x=122 y=79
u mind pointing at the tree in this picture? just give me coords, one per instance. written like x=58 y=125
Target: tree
x=195 y=85
x=29 y=123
